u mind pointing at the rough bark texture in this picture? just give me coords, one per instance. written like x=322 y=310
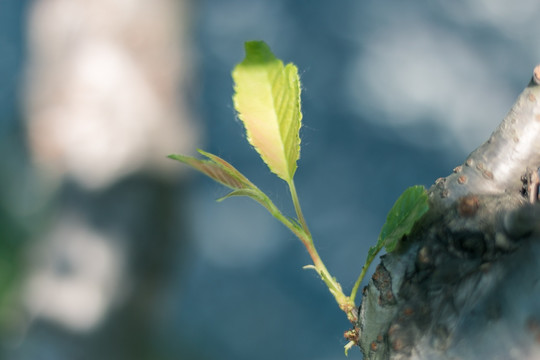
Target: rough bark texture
x=466 y=283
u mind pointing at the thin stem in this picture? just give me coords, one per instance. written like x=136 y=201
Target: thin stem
x=297 y=207
x=343 y=301
x=302 y=232
x=372 y=253
x=359 y=281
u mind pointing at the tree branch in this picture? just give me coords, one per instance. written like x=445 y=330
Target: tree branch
x=466 y=282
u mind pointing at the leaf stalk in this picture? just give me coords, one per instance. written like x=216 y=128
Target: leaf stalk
x=345 y=302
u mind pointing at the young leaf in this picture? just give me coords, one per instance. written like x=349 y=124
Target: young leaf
x=221 y=171
x=256 y=195
x=267 y=99
x=228 y=168
x=408 y=208
x=217 y=169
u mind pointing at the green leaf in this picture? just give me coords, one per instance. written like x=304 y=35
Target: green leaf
x=407 y=210
x=228 y=168
x=217 y=169
x=255 y=194
x=267 y=99
x=221 y=171
x=226 y=174
x=242 y=192
x=411 y=205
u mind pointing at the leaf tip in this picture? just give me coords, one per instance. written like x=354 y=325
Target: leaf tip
x=257 y=51
x=203 y=153
x=176 y=157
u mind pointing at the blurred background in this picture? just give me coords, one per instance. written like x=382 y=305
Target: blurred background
x=108 y=250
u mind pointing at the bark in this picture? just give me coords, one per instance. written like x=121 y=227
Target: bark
x=465 y=284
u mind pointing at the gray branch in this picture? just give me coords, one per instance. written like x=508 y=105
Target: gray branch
x=465 y=284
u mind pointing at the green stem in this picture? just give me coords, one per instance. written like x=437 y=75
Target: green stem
x=297 y=207
x=300 y=229
x=359 y=281
x=343 y=301
x=372 y=253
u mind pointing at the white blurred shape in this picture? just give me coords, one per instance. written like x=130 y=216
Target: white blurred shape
x=75 y=275
x=413 y=72
x=106 y=80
